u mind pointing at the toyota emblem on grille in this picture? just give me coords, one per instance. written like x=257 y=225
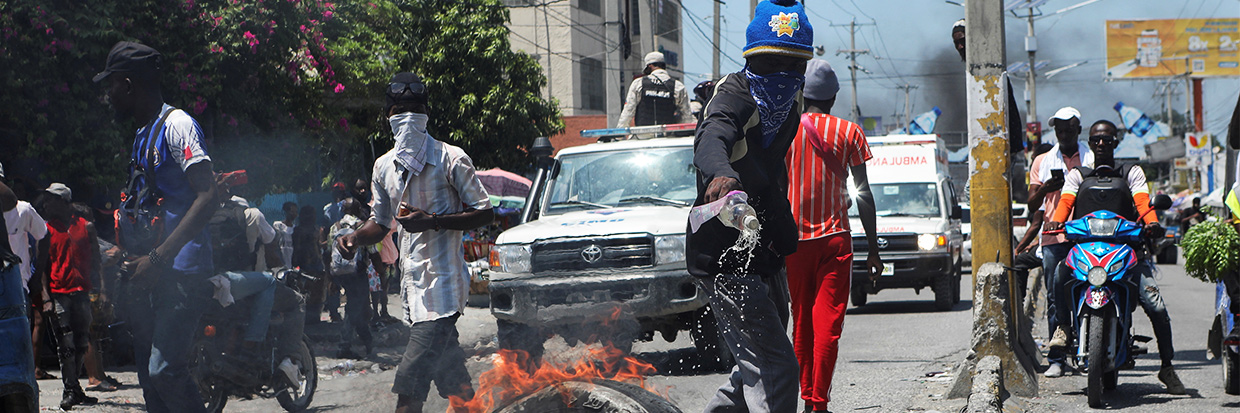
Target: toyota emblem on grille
x=591 y=253
x=882 y=243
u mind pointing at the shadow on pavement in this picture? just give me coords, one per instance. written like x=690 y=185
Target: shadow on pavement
x=906 y=307
x=1128 y=395
x=680 y=362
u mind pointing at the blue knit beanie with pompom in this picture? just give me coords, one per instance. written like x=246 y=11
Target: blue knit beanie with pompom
x=780 y=27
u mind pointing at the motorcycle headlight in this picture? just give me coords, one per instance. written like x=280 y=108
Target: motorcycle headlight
x=1102 y=227
x=1097 y=276
x=929 y=242
x=1116 y=266
x=512 y=258
x=669 y=249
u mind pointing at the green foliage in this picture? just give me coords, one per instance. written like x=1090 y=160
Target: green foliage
x=290 y=90
x=1211 y=248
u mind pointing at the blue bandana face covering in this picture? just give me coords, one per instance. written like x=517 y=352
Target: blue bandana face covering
x=775 y=94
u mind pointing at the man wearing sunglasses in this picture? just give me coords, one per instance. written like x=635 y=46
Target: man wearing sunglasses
x=428 y=188
x=1085 y=192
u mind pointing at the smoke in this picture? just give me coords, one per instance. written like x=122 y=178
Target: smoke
x=942 y=84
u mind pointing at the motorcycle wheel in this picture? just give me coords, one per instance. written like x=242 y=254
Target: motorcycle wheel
x=213 y=395
x=1097 y=350
x=296 y=401
x=1231 y=371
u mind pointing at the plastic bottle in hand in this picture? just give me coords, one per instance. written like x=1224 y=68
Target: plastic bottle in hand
x=738 y=214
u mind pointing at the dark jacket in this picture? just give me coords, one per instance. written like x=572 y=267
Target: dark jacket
x=728 y=143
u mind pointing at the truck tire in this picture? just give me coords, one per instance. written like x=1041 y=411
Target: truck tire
x=710 y=345
x=1096 y=348
x=1231 y=371
x=857 y=295
x=956 y=287
x=593 y=396
x=943 y=292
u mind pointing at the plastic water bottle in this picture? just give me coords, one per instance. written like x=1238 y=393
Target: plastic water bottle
x=1134 y=119
x=924 y=123
x=737 y=213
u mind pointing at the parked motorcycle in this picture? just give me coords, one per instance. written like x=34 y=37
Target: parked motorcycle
x=1107 y=291
x=1221 y=344
x=220 y=373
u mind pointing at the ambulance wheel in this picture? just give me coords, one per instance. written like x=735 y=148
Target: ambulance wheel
x=943 y=295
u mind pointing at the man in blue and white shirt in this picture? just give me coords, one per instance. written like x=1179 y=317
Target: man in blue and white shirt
x=171 y=159
x=430 y=188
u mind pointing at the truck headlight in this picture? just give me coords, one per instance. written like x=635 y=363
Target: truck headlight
x=511 y=258
x=929 y=242
x=669 y=249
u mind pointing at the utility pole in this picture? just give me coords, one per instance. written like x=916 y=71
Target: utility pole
x=852 y=51
x=753 y=6
x=908 y=120
x=714 y=60
x=1031 y=83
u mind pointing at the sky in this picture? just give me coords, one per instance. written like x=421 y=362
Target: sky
x=910 y=43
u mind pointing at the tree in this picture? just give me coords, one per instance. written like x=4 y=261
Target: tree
x=290 y=90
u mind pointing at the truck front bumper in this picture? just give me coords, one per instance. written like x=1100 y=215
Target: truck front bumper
x=912 y=270
x=560 y=298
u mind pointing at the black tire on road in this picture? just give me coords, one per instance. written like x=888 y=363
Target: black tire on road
x=214 y=396
x=596 y=396
x=857 y=295
x=1231 y=371
x=708 y=342
x=1169 y=255
x=956 y=287
x=1096 y=349
x=943 y=292
x=299 y=401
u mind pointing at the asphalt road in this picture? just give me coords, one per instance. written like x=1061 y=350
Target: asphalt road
x=897 y=355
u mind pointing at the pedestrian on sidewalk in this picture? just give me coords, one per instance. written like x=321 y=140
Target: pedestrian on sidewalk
x=1046 y=178
x=99 y=303
x=24 y=224
x=655 y=98
x=284 y=233
x=170 y=178
x=350 y=272
x=820 y=271
x=306 y=257
x=1087 y=190
x=19 y=391
x=67 y=257
x=430 y=188
x=740 y=145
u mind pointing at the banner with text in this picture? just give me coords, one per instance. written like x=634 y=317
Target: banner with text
x=1171 y=47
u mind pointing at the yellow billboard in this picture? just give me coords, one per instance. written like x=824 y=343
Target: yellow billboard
x=1171 y=47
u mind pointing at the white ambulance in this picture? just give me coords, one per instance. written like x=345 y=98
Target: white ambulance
x=919 y=236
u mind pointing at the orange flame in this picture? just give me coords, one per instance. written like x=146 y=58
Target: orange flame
x=508 y=380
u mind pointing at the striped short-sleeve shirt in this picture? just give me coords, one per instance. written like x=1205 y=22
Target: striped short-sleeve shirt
x=817 y=190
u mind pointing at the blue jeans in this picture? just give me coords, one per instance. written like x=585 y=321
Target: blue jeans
x=165 y=323
x=1058 y=308
x=1156 y=310
x=263 y=287
x=16 y=364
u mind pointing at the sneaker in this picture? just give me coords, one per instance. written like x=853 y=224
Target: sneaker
x=1059 y=339
x=74 y=398
x=292 y=373
x=1055 y=370
x=1171 y=380
x=86 y=399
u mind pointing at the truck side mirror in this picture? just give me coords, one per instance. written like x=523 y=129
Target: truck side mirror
x=957 y=212
x=1161 y=202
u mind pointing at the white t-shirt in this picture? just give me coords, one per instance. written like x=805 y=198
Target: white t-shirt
x=284 y=235
x=23 y=222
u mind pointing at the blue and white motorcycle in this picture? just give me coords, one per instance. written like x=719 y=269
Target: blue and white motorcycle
x=1106 y=293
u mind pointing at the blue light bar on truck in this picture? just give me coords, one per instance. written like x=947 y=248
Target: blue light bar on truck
x=637 y=130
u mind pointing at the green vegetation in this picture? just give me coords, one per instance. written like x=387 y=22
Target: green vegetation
x=1211 y=248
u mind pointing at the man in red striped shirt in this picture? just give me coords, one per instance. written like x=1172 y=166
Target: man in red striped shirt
x=820 y=270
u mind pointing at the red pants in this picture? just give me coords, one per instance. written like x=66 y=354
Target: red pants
x=818 y=278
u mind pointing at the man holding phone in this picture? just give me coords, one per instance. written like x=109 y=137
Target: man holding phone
x=1046 y=178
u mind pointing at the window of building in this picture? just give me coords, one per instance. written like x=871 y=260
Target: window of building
x=667 y=19
x=592 y=84
x=591 y=6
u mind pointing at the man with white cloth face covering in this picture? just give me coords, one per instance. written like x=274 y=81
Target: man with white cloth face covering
x=430 y=188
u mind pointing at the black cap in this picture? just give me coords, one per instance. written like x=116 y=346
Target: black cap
x=130 y=57
x=405 y=87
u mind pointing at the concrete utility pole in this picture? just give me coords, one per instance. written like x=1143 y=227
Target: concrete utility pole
x=852 y=51
x=714 y=59
x=908 y=120
x=753 y=6
x=1031 y=46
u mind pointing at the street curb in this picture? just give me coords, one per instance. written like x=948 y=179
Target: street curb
x=987 y=387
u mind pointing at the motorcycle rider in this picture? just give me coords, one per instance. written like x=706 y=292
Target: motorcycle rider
x=1085 y=191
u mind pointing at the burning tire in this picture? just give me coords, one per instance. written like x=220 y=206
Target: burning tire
x=590 y=397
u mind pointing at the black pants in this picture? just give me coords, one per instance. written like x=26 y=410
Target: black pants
x=72 y=328
x=356 y=310
x=433 y=354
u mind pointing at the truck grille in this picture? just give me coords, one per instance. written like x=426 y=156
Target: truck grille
x=902 y=242
x=591 y=253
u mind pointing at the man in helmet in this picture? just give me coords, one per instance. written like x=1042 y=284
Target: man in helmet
x=656 y=98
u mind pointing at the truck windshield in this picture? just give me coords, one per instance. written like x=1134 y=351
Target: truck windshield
x=649 y=176
x=903 y=200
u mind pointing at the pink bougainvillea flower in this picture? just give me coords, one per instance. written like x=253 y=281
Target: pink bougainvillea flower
x=344 y=123
x=340 y=89
x=198 y=106
x=328 y=14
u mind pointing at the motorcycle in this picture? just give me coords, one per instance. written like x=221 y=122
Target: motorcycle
x=1222 y=344
x=221 y=374
x=1106 y=291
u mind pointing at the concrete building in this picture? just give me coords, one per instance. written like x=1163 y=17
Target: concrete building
x=590 y=50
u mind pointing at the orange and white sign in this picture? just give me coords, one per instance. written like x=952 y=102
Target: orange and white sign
x=1171 y=47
